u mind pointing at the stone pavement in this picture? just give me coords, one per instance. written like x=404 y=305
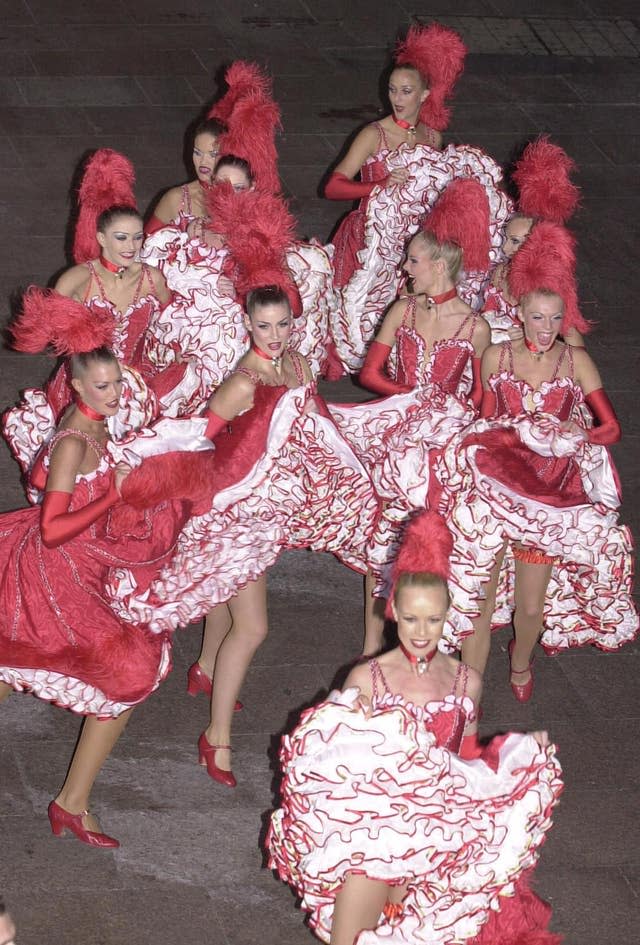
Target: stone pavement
x=76 y=75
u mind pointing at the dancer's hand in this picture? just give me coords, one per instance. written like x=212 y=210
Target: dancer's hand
x=120 y=473
x=542 y=738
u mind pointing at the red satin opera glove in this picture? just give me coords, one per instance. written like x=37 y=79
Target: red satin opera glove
x=214 y=424
x=477 y=394
x=340 y=187
x=470 y=747
x=608 y=429
x=58 y=525
x=373 y=374
x=153 y=223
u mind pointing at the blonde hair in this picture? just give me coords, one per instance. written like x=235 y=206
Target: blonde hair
x=422 y=579
x=451 y=253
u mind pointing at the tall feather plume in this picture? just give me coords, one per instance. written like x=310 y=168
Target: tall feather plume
x=258 y=230
x=426 y=547
x=547 y=261
x=107 y=181
x=51 y=320
x=251 y=117
x=461 y=216
x=438 y=54
x=542 y=176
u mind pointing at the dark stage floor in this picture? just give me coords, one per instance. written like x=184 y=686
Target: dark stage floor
x=76 y=75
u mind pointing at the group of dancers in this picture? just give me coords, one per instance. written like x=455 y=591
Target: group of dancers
x=181 y=445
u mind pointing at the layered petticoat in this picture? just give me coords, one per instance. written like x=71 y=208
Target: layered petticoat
x=392 y=216
x=394 y=438
x=59 y=637
x=306 y=489
x=500 y=314
x=370 y=792
x=489 y=473
x=203 y=330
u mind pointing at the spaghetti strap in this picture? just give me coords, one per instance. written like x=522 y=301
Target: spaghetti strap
x=470 y=320
x=185 y=206
x=409 y=314
x=377 y=677
x=565 y=353
x=63 y=434
x=93 y=275
x=297 y=365
x=462 y=679
x=382 y=137
x=253 y=376
x=505 y=351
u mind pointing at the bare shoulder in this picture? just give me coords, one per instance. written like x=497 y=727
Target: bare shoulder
x=69 y=452
x=481 y=339
x=73 y=282
x=169 y=204
x=359 y=676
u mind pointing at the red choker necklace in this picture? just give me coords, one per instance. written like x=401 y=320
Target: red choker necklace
x=536 y=352
x=420 y=662
x=443 y=297
x=89 y=411
x=111 y=267
x=405 y=125
x=276 y=360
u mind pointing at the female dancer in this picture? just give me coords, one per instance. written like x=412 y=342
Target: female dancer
x=432 y=342
x=281 y=477
x=529 y=492
x=427 y=64
x=185 y=203
x=387 y=830
x=59 y=638
x=546 y=192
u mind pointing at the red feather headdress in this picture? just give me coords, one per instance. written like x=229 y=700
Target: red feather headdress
x=258 y=230
x=51 y=320
x=107 y=181
x=547 y=262
x=251 y=118
x=542 y=176
x=461 y=216
x=438 y=54
x=426 y=549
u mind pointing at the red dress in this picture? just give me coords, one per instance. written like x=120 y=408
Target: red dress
x=59 y=638
x=520 y=478
x=383 y=792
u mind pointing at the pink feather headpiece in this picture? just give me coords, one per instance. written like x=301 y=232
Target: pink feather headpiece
x=251 y=118
x=542 y=176
x=107 y=181
x=547 y=262
x=258 y=230
x=461 y=216
x=426 y=549
x=438 y=54
x=51 y=320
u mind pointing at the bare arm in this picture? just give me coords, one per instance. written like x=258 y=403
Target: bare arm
x=73 y=283
x=364 y=145
x=169 y=205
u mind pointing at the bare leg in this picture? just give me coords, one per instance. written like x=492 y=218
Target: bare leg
x=5 y=691
x=249 y=614
x=373 y=618
x=94 y=747
x=358 y=906
x=216 y=626
x=475 y=648
x=532 y=581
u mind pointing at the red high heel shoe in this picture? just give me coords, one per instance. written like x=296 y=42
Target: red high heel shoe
x=524 y=692
x=61 y=820
x=198 y=681
x=207 y=756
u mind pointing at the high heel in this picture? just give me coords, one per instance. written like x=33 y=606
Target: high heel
x=61 y=820
x=198 y=681
x=522 y=693
x=207 y=756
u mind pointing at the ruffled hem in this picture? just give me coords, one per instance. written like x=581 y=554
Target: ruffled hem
x=75 y=694
x=374 y=794
x=589 y=599
x=392 y=216
x=307 y=490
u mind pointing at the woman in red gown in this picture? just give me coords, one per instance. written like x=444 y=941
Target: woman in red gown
x=529 y=491
x=59 y=638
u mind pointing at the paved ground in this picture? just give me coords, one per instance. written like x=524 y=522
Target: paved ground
x=76 y=75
